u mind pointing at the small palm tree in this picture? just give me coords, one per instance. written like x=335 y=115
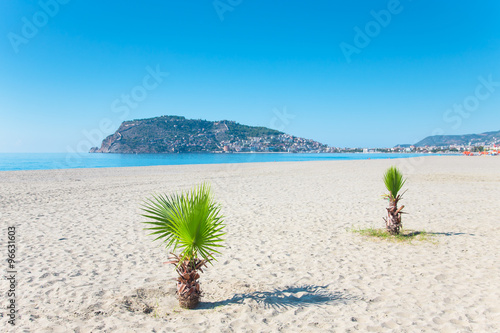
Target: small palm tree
x=192 y=223
x=393 y=179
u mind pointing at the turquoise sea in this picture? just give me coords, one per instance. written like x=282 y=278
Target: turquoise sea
x=45 y=161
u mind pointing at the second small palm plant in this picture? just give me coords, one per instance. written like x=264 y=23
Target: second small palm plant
x=393 y=179
x=192 y=223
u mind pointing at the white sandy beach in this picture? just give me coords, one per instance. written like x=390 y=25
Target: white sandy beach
x=85 y=264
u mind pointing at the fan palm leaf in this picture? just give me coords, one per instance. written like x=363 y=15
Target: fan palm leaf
x=393 y=179
x=191 y=222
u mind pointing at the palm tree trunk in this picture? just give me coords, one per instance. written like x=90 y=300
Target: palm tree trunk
x=188 y=288
x=393 y=222
x=189 y=301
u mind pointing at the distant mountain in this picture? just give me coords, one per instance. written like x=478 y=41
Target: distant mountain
x=447 y=140
x=175 y=134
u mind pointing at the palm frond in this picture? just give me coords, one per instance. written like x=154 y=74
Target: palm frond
x=190 y=221
x=393 y=179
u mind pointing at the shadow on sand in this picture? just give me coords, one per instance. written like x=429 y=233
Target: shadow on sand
x=413 y=233
x=450 y=233
x=410 y=234
x=282 y=299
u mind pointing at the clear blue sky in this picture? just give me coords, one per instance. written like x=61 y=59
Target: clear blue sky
x=66 y=69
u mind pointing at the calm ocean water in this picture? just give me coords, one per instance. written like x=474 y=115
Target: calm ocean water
x=39 y=161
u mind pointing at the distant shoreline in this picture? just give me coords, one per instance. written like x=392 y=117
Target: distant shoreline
x=48 y=161
x=268 y=152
